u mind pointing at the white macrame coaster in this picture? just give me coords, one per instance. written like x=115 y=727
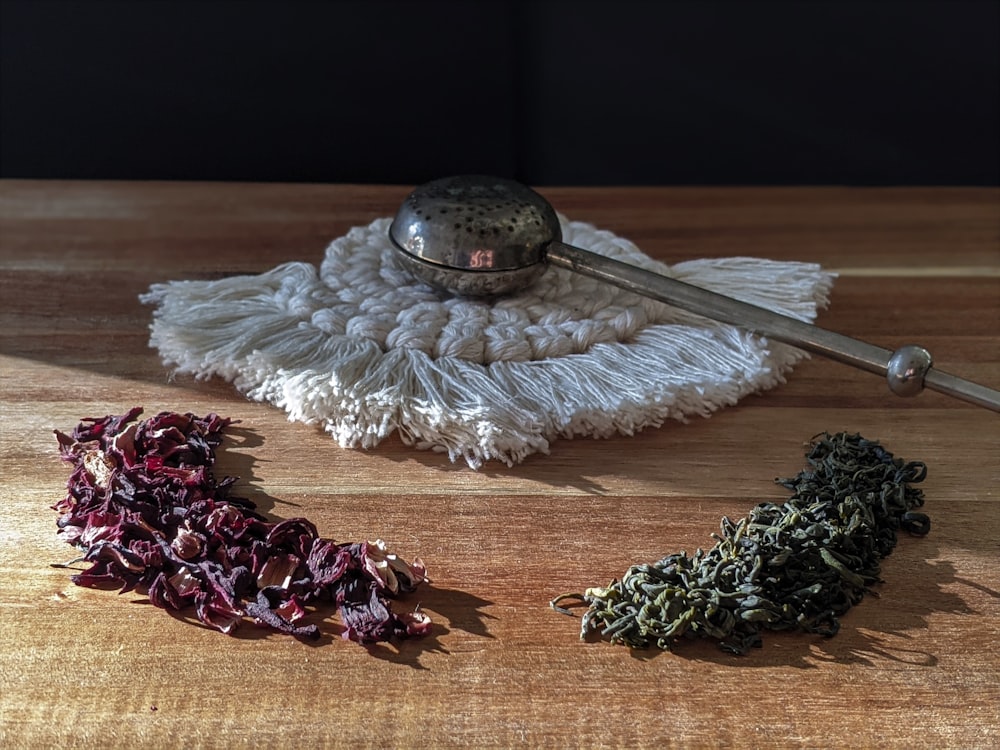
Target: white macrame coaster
x=364 y=350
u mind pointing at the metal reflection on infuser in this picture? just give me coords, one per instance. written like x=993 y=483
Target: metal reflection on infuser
x=478 y=236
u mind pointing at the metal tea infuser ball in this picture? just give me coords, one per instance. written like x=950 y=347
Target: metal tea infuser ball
x=480 y=236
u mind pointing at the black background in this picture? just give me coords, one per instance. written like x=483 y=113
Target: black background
x=865 y=92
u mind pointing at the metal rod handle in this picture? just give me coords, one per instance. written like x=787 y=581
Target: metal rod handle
x=908 y=370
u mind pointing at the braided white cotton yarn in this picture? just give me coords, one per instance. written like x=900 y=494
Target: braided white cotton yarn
x=364 y=350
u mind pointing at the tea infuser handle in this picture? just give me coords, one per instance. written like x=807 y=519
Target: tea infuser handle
x=908 y=370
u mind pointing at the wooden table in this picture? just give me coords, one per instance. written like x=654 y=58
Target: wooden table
x=918 y=666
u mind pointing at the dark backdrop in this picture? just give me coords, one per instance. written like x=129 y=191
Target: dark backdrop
x=548 y=92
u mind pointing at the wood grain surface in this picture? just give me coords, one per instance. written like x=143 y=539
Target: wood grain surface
x=916 y=667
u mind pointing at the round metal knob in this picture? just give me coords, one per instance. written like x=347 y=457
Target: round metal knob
x=907 y=367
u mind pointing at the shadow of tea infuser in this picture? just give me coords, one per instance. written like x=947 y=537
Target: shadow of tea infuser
x=482 y=236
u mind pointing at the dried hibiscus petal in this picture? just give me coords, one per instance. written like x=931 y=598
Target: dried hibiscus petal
x=144 y=506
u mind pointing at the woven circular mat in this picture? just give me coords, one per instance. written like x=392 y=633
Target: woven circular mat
x=362 y=349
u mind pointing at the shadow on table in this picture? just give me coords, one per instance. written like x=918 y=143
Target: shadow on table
x=460 y=611
x=234 y=458
x=885 y=627
x=671 y=455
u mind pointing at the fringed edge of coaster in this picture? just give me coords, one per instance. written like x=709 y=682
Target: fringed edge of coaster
x=503 y=411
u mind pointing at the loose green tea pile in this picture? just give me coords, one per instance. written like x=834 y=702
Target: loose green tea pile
x=798 y=565
x=144 y=506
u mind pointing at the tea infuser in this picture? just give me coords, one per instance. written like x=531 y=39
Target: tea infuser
x=359 y=346
x=479 y=235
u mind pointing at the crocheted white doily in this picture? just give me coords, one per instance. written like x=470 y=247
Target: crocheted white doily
x=362 y=349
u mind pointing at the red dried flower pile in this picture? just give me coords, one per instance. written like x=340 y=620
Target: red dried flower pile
x=148 y=513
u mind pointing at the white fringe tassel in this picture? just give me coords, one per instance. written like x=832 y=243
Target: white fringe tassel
x=361 y=349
